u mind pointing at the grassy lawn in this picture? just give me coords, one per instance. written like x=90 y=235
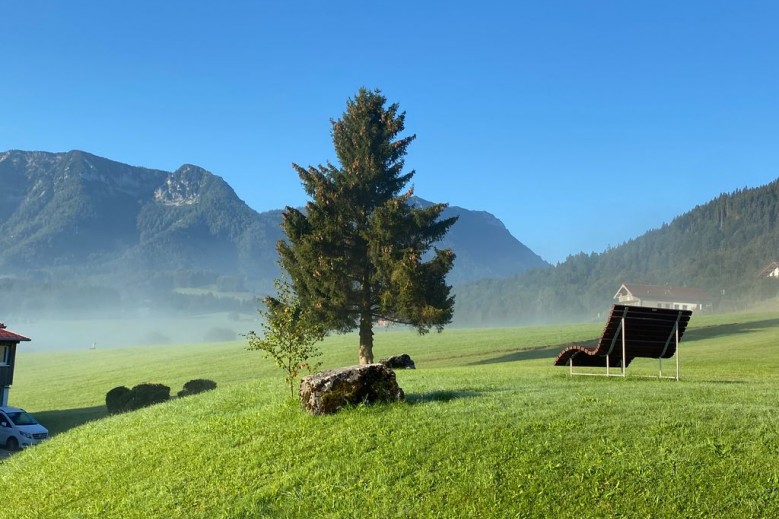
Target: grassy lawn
x=489 y=429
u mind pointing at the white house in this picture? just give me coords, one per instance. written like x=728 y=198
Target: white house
x=662 y=296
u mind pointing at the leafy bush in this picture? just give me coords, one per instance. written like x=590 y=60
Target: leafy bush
x=121 y=399
x=196 y=386
x=290 y=333
x=144 y=395
x=117 y=398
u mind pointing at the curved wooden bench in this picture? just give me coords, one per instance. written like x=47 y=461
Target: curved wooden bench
x=630 y=332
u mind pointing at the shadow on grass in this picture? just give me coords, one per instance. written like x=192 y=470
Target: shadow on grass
x=440 y=396
x=546 y=352
x=691 y=335
x=62 y=420
x=722 y=382
x=718 y=330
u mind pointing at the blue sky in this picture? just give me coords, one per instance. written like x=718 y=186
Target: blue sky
x=580 y=124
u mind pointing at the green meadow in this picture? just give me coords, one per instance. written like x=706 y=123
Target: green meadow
x=489 y=428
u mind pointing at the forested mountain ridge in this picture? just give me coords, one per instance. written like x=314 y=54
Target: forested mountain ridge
x=719 y=247
x=80 y=230
x=81 y=212
x=54 y=206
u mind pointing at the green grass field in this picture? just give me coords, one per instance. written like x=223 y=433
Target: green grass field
x=489 y=429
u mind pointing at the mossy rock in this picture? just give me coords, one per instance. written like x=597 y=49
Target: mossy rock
x=329 y=391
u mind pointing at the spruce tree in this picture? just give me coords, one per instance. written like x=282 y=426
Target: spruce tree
x=360 y=252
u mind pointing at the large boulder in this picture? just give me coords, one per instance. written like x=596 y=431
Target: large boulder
x=328 y=391
x=402 y=361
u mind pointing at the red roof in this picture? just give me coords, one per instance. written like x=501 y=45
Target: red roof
x=9 y=336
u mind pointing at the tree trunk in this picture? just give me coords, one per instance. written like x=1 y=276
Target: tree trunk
x=366 y=340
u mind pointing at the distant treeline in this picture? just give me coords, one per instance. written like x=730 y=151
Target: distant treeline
x=72 y=299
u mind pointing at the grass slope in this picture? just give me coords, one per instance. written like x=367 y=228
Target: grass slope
x=489 y=429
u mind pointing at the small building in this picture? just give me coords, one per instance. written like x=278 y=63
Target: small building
x=8 y=342
x=662 y=296
x=770 y=271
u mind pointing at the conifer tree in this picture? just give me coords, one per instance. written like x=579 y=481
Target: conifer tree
x=360 y=252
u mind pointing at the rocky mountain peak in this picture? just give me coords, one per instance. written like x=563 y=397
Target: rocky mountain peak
x=183 y=187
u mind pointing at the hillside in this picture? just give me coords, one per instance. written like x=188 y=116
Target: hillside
x=489 y=428
x=84 y=233
x=719 y=247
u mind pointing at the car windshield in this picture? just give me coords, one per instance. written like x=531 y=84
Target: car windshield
x=21 y=418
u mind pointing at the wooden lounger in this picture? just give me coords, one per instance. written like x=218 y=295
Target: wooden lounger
x=630 y=332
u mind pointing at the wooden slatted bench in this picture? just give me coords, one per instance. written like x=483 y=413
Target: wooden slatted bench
x=630 y=332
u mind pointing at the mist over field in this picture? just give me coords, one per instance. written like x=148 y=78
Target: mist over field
x=52 y=334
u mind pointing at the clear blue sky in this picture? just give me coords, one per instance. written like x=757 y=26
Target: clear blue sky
x=580 y=124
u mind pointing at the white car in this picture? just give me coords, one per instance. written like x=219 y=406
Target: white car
x=19 y=429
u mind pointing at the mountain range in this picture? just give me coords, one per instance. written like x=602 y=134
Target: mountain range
x=84 y=234
x=79 y=231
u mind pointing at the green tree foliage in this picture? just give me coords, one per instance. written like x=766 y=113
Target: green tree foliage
x=289 y=334
x=360 y=252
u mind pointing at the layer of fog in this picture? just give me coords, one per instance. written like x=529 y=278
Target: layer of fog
x=84 y=333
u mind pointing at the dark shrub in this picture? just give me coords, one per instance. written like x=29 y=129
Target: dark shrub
x=144 y=395
x=197 y=385
x=116 y=399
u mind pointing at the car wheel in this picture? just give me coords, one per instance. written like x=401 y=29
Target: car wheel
x=12 y=444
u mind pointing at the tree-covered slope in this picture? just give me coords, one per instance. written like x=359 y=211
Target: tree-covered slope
x=719 y=247
x=85 y=233
x=60 y=209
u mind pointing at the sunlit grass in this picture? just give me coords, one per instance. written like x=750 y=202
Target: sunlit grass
x=489 y=429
